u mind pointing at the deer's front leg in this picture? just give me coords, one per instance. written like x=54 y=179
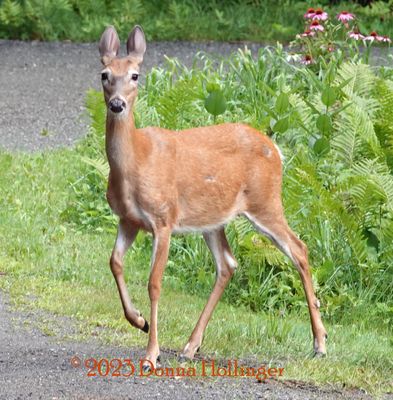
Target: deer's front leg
x=158 y=262
x=126 y=234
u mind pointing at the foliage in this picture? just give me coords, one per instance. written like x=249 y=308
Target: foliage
x=84 y=20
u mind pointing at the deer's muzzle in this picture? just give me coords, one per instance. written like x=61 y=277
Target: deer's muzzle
x=117 y=105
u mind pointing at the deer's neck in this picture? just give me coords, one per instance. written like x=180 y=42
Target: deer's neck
x=120 y=142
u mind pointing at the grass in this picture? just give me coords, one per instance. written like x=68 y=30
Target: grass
x=52 y=266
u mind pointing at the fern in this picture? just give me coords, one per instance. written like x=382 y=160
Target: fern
x=377 y=183
x=178 y=106
x=100 y=166
x=384 y=118
x=355 y=136
x=339 y=202
x=97 y=112
x=360 y=77
x=50 y=19
x=11 y=18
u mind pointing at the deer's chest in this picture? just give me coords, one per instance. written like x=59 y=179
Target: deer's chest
x=124 y=203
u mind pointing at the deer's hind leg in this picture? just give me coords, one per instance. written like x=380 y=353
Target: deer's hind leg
x=225 y=264
x=276 y=228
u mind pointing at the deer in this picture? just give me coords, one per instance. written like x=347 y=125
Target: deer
x=194 y=180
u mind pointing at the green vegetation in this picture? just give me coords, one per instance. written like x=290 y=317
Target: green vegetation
x=84 y=20
x=334 y=123
x=335 y=131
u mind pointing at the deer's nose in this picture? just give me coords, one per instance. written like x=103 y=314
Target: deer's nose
x=117 y=105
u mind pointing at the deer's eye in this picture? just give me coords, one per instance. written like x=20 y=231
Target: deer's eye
x=104 y=76
x=134 y=77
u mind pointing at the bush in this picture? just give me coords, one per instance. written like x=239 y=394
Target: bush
x=84 y=20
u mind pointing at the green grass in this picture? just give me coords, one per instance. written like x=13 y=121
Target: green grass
x=53 y=266
x=262 y=21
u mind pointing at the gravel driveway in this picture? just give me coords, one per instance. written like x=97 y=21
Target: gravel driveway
x=35 y=366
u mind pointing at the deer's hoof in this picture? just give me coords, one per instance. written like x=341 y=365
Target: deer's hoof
x=183 y=358
x=319 y=354
x=146 y=327
x=146 y=368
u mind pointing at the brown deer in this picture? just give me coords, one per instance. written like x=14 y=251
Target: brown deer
x=198 y=179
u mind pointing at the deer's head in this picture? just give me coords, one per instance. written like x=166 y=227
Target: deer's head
x=121 y=74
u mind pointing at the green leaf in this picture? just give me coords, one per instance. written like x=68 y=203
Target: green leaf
x=329 y=96
x=321 y=146
x=372 y=239
x=281 y=125
x=215 y=103
x=282 y=103
x=324 y=124
x=212 y=87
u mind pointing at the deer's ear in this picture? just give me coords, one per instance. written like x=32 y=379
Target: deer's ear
x=136 y=43
x=109 y=45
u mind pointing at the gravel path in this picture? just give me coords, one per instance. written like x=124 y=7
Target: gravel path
x=35 y=366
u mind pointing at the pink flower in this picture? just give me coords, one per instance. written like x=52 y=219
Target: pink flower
x=306 y=33
x=320 y=15
x=374 y=36
x=307 y=60
x=386 y=39
x=316 y=26
x=345 y=16
x=355 y=35
x=309 y=14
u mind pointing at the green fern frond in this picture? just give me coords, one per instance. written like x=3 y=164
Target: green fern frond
x=11 y=14
x=100 y=166
x=355 y=136
x=243 y=227
x=304 y=115
x=177 y=106
x=361 y=79
x=96 y=109
x=371 y=174
x=384 y=118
